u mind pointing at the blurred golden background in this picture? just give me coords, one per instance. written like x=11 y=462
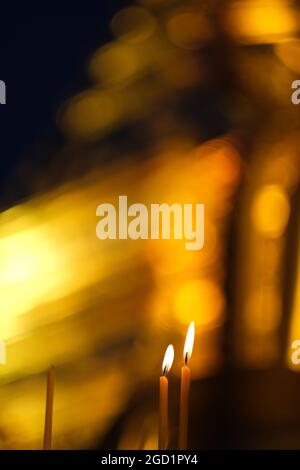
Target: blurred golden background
x=188 y=102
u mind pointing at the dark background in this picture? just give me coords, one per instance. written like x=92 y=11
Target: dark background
x=41 y=62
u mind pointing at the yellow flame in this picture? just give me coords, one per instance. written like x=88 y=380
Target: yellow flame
x=168 y=360
x=189 y=343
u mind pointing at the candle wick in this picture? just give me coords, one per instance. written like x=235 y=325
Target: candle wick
x=186 y=359
x=164 y=371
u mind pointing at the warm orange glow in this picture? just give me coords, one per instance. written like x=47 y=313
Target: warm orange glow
x=270 y=211
x=189 y=343
x=168 y=360
x=260 y=22
x=201 y=300
x=133 y=24
x=114 y=64
x=288 y=52
x=89 y=114
x=189 y=29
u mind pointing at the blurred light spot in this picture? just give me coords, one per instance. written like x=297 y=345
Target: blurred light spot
x=21 y=257
x=27 y=258
x=270 y=211
x=289 y=53
x=133 y=24
x=89 y=114
x=201 y=301
x=257 y=22
x=114 y=64
x=223 y=160
x=189 y=29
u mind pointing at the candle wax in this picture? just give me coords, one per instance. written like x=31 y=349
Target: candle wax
x=49 y=409
x=163 y=413
x=184 y=408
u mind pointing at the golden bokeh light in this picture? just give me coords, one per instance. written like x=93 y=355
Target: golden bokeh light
x=261 y=21
x=89 y=114
x=114 y=64
x=270 y=211
x=201 y=300
x=189 y=29
x=133 y=24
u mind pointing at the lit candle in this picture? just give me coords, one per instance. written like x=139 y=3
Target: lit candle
x=163 y=430
x=49 y=409
x=185 y=389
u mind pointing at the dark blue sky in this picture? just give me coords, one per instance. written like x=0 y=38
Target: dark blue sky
x=42 y=61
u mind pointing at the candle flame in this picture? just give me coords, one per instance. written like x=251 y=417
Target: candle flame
x=168 y=360
x=189 y=343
